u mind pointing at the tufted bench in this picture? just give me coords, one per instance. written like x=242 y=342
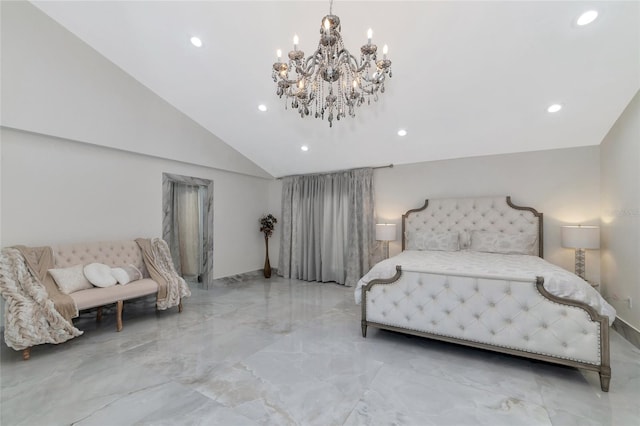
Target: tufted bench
x=28 y=284
x=114 y=254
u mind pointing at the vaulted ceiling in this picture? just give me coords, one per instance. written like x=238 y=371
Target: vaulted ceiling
x=469 y=78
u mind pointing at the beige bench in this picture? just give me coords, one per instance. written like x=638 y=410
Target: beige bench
x=114 y=254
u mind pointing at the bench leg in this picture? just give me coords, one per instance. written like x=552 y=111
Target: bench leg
x=364 y=328
x=119 y=306
x=99 y=314
x=180 y=306
x=26 y=354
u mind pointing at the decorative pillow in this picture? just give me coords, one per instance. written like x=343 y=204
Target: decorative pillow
x=99 y=275
x=499 y=242
x=70 y=279
x=444 y=241
x=126 y=274
x=465 y=239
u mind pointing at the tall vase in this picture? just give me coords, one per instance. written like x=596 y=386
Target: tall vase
x=267 y=265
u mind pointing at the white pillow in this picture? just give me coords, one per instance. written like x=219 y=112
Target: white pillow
x=99 y=275
x=70 y=279
x=441 y=240
x=126 y=274
x=499 y=242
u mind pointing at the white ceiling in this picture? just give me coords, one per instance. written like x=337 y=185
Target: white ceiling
x=469 y=78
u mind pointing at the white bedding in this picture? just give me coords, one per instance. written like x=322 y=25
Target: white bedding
x=557 y=281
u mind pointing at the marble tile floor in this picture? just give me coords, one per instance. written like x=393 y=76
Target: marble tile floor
x=287 y=352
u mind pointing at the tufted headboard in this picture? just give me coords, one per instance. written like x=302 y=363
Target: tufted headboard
x=112 y=253
x=497 y=214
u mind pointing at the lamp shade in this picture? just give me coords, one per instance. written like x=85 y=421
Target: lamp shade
x=386 y=232
x=581 y=237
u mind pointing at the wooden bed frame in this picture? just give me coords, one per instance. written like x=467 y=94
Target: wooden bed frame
x=384 y=290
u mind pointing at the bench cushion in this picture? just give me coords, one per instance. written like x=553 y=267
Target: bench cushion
x=93 y=297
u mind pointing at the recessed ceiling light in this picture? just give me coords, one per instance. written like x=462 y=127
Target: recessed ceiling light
x=196 y=41
x=304 y=148
x=402 y=132
x=554 y=108
x=587 y=17
x=262 y=107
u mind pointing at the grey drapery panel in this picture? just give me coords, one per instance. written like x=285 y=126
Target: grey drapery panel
x=327 y=226
x=361 y=224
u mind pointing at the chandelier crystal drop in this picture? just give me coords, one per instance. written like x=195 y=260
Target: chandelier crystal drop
x=331 y=82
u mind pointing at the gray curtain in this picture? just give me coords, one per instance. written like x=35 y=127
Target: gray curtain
x=327 y=227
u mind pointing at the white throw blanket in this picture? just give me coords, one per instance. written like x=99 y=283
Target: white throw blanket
x=30 y=317
x=557 y=281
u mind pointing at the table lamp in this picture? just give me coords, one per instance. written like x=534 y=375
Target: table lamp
x=386 y=232
x=580 y=237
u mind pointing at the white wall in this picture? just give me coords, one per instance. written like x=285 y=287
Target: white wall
x=620 y=160
x=84 y=146
x=55 y=84
x=563 y=184
x=56 y=191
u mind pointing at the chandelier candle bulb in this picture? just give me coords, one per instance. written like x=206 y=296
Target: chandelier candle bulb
x=279 y=55
x=295 y=42
x=369 y=35
x=385 y=50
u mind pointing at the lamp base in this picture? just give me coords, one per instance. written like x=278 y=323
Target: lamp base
x=580 y=264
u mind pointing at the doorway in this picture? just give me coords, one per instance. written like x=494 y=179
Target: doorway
x=187 y=226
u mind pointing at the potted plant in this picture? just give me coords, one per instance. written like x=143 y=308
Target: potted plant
x=267 y=224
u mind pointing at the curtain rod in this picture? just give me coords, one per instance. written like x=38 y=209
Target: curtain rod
x=390 y=166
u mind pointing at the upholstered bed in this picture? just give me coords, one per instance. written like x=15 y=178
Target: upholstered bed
x=471 y=272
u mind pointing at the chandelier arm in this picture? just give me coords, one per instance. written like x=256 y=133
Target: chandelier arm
x=306 y=70
x=353 y=61
x=360 y=67
x=290 y=82
x=366 y=78
x=286 y=79
x=311 y=63
x=369 y=90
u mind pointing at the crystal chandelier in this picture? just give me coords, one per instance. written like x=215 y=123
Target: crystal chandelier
x=331 y=82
